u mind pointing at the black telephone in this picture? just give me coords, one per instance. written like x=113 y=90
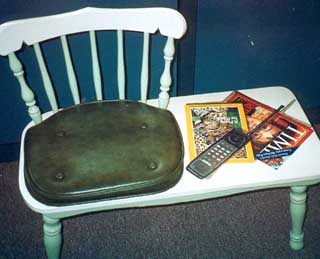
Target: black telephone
x=220 y=151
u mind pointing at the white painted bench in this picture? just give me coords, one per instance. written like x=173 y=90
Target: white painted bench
x=301 y=170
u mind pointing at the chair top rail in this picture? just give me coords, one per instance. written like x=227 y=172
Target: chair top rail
x=33 y=30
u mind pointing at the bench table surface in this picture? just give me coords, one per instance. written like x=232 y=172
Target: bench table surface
x=301 y=169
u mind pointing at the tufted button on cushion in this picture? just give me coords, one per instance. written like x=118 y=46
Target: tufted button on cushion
x=103 y=150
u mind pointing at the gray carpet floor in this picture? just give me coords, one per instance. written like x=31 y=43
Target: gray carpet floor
x=251 y=225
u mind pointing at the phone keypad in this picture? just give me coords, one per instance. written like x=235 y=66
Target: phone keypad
x=212 y=158
x=218 y=152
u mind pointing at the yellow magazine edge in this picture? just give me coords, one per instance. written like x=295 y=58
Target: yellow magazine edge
x=191 y=145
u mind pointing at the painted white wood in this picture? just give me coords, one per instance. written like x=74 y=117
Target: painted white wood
x=52 y=236
x=120 y=66
x=13 y=34
x=302 y=168
x=298 y=209
x=45 y=77
x=70 y=70
x=26 y=92
x=144 y=79
x=95 y=66
x=165 y=80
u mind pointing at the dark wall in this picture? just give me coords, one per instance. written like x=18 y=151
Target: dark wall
x=251 y=43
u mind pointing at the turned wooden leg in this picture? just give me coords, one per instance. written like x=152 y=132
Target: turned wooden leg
x=298 y=197
x=52 y=237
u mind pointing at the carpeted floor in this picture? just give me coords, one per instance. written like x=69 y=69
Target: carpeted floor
x=252 y=225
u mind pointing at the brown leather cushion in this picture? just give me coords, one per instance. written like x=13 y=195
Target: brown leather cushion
x=103 y=150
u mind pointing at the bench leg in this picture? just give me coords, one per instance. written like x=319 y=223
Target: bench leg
x=298 y=197
x=52 y=237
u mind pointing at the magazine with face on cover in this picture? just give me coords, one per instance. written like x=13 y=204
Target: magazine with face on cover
x=278 y=138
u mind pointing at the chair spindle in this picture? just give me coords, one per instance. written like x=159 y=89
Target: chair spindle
x=70 y=70
x=45 y=77
x=144 y=80
x=165 y=80
x=26 y=93
x=121 y=69
x=95 y=66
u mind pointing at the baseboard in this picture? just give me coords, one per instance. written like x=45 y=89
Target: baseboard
x=313 y=115
x=9 y=152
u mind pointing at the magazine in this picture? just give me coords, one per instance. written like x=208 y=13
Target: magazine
x=279 y=138
x=208 y=122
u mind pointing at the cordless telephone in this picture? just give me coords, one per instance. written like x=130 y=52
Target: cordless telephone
x=220 y=151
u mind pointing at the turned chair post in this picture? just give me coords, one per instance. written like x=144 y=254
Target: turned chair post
x=166 y=80
x=52 y=236
x=26 y=92
x=298 y=208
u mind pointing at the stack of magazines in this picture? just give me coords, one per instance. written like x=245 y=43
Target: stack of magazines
x=273 y=143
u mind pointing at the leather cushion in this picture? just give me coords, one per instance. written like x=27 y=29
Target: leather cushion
x=103 y=150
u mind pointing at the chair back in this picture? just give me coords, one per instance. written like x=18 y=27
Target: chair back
x=33 y=32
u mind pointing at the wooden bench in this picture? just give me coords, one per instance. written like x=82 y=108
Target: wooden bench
x=298 y=172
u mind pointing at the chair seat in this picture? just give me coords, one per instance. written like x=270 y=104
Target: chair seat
x=103 y=150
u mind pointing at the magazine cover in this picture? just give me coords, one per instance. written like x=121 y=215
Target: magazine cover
x=208 y=122
x=278 y=138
